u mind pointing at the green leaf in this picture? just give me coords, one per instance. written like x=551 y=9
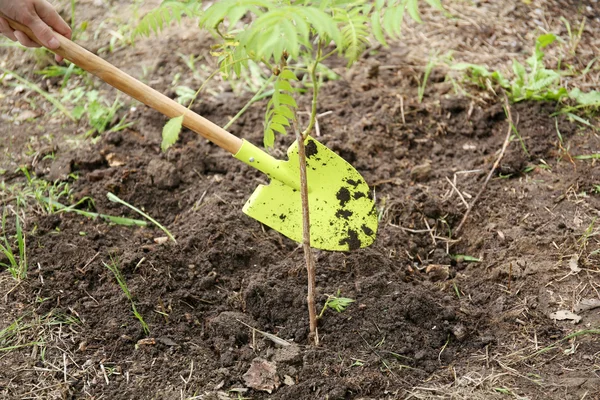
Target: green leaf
x=477 y=69
x=283 y=85
x=413 y=10
x=339 y=304
x=170 y=132
x=545 y=40
x=278 y=128
x=376 y=27
x=280 y=119
x=578 y=119
x=269 y=138
x=585 y=99
x=288 y=75
x=543 y=82
x=437 y=4
x=167 y=12
x=519 y=71
x=288 y=100
x=285 y=111
x=389 y=22
x=595 y=156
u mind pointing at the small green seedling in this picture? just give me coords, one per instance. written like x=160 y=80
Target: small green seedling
x=114 y=268
x=336 y=303
x=17 y=262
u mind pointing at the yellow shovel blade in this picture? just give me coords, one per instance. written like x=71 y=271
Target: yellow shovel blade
x=342 y=214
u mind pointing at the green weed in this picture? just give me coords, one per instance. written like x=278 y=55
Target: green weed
x=533 y=81
x=114 y=268
x=336 y=303
x=36 y=191
x=109 y=218
x=593 y=156
x=48 y=197
x=99 y=112
x=428 y=68
x=115 y=199
x=17 y=262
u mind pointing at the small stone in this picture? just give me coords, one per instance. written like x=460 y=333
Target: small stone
x=460 y=332
x=288 y=380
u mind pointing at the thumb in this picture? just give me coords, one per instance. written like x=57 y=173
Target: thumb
x=44 y=33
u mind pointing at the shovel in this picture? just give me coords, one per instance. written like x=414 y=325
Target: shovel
x=342 y=213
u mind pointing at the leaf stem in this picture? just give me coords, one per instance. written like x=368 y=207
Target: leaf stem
x=254 y=99
x=212 y=75
x=326 y=56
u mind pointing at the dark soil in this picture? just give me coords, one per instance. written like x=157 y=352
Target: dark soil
x=421 y=316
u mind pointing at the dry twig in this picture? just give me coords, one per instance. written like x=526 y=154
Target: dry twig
x=496 y=163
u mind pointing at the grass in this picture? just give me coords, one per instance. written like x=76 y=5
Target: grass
x=433 y=61
x=555 y=345
x=32 y=86
x=115 y=199
x=113 y=267
x=47 y=196
x=17 y=262
x=109 y=218
x=34 y=332
x=35 y=191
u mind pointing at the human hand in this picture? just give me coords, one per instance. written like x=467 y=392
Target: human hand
x=37 y=15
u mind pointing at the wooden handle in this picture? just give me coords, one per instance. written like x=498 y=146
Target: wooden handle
x=136 y=89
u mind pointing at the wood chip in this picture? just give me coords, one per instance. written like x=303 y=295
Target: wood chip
x=146 y=342
x=562 y=315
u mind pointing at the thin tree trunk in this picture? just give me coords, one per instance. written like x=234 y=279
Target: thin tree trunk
x=308 y=255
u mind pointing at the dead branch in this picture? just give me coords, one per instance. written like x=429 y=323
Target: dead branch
x=496 y=163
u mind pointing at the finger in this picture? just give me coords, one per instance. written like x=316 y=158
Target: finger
x=58 y=58
x=44 y=33
x=6 y=30
x=49 y=15
x=24 y=39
